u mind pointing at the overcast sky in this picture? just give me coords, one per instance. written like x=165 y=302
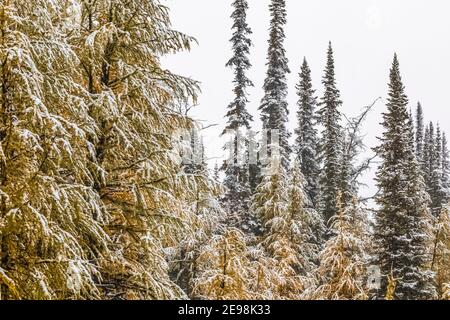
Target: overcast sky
x=365 y=34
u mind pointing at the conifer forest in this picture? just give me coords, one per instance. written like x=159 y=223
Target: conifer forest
x=106 y=192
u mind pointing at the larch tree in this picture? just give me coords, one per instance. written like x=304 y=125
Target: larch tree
x=331 y=141
x=224 y=269
x=274 y=106
x=402 y=229
x=441 y=253
x=207 y=220
x=51 y=239
x=279 y=206
x=237 y=197
x=134 y=154
x=343 y=261
x=306 y=142
x=305 y=223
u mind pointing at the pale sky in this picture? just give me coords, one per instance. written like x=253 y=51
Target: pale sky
x=365 y=34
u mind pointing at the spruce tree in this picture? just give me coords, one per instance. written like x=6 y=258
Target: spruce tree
x=274 y=106
x=237 y=197
x=436 y=191
x=403 y=220
x=419 y=133
x=445 y=168
x=306 y=142
x=331 y=141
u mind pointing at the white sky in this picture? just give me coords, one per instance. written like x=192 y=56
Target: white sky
x=365 y=34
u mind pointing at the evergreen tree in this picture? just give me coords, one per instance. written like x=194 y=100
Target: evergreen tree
x=437 y=192
x=425 y=163
x=419 y=133
x=306 y=132
x=237 y=197
x=216 y=173
x=331 y=143
x=254 y=165
x=274 y=106
x=445 y=168
x=402 y=221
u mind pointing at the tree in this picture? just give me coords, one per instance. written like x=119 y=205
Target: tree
x=206 y=220
x=238 y=194
x=419 y=133
x=224 y=270
x=51 y=239
x=134 y=155
x=343 y=260
x=445 y=168
x=441 y=252
x=306 y=225
x=437 y=191
x=306 y=133
x=331 y=141
x=280 y=208
x=402 y=229
x=274 y=104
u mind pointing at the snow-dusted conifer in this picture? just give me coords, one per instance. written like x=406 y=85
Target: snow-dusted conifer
x=306 y=142
x=307 y=227
x=135 y=162
x=331 y=141
x=419 y=133
x=402 y=221
x=277 y=207
x=237 y=197
x=445 y=168
x=441 y=252
x=343 y=260
x=274 y=106
x=224 y=269
x=51 y=238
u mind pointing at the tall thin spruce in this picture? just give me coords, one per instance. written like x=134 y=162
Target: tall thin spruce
x=402 y=229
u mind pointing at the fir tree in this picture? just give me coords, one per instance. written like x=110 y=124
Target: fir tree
x=274 y=106
x=402 y=221
x=237 y=197
x=445 y=168
x=306 y=142
x=419 y=133
x=331 y=143
x=216 y=173
x=436 y=191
